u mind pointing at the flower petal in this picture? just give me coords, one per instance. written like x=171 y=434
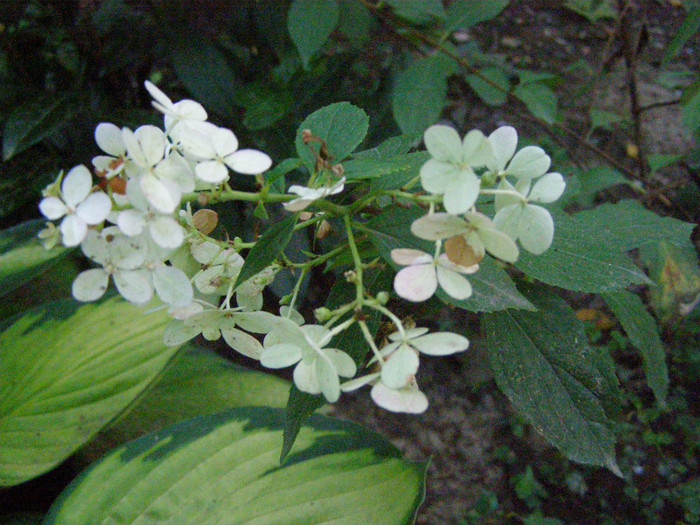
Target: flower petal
x=499 y=244
x=407 y=257
x=440 y=343
x=52 y=208
x=162 y=195
x=503 y=141
x=248 y=161
x=358 y=382
x=212 y=171
x=342 y=362
x=453 y=283
x=461 y=192
x=438 y=226
x=536 y=229
x=152 y=142
x=443 y=143
x=134 y=286
x=131 y=222
x=547 y=188
x=109 y=139
x=243 y=343
x=95 y=208
x=166 y=232
x=416 y=283
x=306 y=378
x=435 y=174
x=76 y=185
x=529 y=162
x=172 y=286
x=401 y=366
x=409 y=400
x=90 y=285
x=327 y=378
x=73 y=230
x=476 y=149
x=508 y=219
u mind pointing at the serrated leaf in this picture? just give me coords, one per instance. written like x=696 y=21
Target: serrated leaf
x=35 y=120
x=223 y=468
x=629 y=225
x=65 y=372
x=356 y=23
x=539 y=99
x=22 y=257
x=202 y=68
x=310 y=23
x=486 y=91
x=419 y=12
x=386 y=173
x=542 y=362
x=420 y=93
x=391 y=147
x=342 y=125
x=642 y=332
x=275 y=176
x=492 y=288
x=583 y=257
x=267 y=248
x=596 y=180
x=463 y=14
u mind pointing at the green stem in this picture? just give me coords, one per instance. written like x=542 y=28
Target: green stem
x=359 y=288
x=370 y=341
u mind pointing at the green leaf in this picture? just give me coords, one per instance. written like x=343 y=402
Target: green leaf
x=419 y=12
x=267 y=248
x=539 y=99
x=492 y=287
x=264 y=105
x=202 y=68
x=593 y=10
x=583 y=257
x=196 y=382
x=22 y=257
x=391 y=147
x=487 y=92
x=629 y=225
x=420 y=93
x=66 y=372
x=342 y=125
x=223 y=469
x=310 y=23
x=642 y=332
x=386 y=173
x=463 y=14
x=604 y=119
x=596 y=180
x=356 y=23
x=35 y=120
x=300 y=407
x=691 y=107
x=275 y=176
x=542 y=362
x=688 y=30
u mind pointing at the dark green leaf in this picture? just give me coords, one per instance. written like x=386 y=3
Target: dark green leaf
x=203 y=69
x=691 y=107
x=463 y=14
x=593 y=10
x=223 y=468
x=628 y=225
x=310 y=23
x=356 y=23
x=22 y=257
x=539 y=99
x=66 y=372
x=264 y=105
x=387 y=173
x=300 y=407
x=419 y=12
x=642 y=332
x=267 y=248
x=342 y=125
x=420 y=93
x=391 y=147
x=542 y=362
x=275 y=176
x=35 y=120
x=487 y=92
x=596 y=180
x=583 y=257
x=21 y=519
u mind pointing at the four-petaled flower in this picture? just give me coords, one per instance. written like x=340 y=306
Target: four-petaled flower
x=309 y=195
x=419 y=280
x=78 y=207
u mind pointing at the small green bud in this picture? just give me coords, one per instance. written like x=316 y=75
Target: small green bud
x=323 y=314
x=383 y=297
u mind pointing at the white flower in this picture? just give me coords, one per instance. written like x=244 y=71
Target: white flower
x=419 y=280
x=449 y=172
x=183 y=111
x=171 y=284
x=528 y=163
x=121 y=258
x=521 y=221
x=309 y=195
x=163 y=229
x=78 y=207
x=222 y=267
x=110 y=140
x=215 y=150
x=249 y=294
x=478 y=231
x=407 y=399
x=317 y=368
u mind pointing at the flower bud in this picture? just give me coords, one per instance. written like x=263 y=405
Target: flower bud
x=323 y=314
x=383 y=297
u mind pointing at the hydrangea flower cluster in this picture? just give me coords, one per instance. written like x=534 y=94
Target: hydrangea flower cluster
x=137 y=226
x=460 y=170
